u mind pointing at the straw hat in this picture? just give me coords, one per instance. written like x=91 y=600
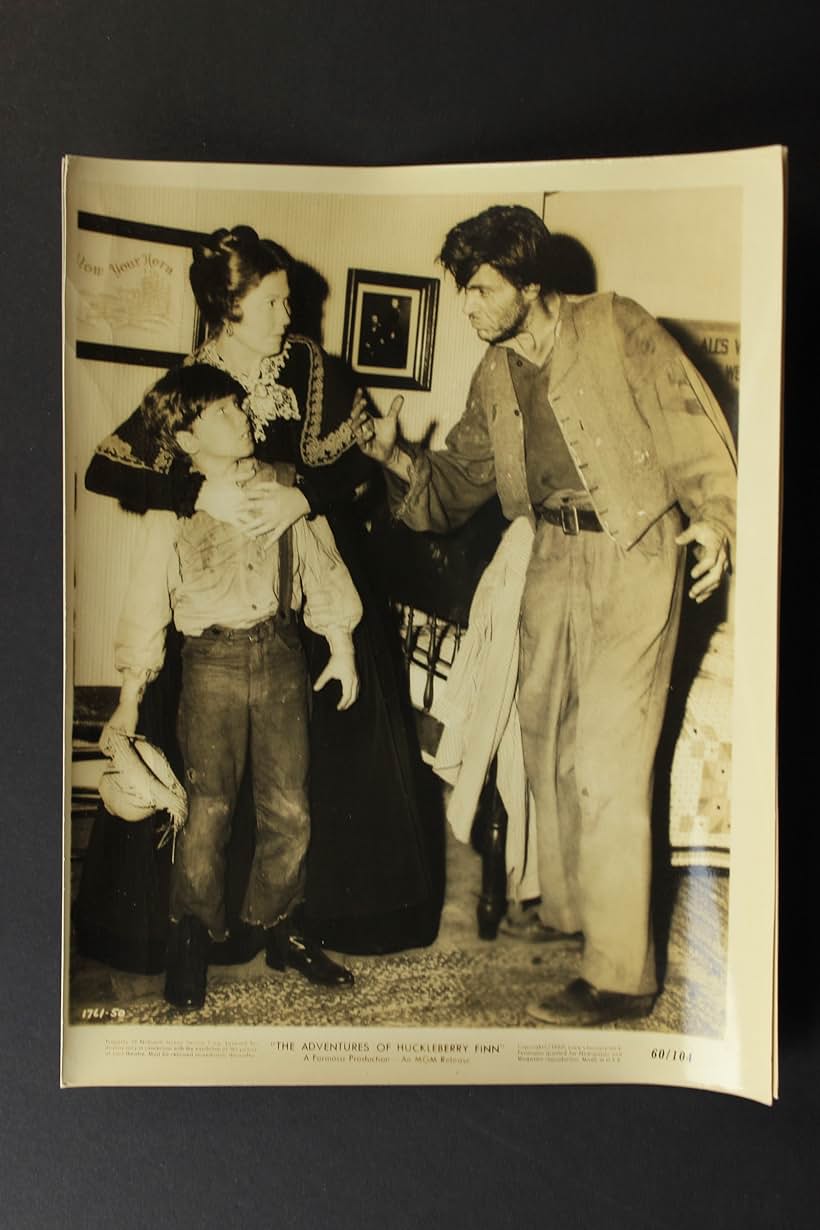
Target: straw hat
x=139 y=780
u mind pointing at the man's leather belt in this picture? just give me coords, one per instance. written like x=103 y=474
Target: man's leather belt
x=570 y=519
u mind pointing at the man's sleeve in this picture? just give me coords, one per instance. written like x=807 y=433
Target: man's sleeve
x=692 y=436
x=332 y=604
x=139 y=649
x=448 y=485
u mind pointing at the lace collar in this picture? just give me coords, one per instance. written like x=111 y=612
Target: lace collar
x=267 y=399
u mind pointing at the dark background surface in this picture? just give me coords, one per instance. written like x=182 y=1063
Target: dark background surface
x=359 y=82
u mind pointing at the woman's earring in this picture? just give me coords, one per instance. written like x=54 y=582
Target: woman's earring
x=229 y=329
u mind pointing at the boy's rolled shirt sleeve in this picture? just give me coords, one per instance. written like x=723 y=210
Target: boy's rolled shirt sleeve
x=332 y=607
x=139 y=647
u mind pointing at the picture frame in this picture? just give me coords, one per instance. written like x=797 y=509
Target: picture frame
x=133 y=301
x=390 y=328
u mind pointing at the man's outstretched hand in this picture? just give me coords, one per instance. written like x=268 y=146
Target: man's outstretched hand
x=376 y=437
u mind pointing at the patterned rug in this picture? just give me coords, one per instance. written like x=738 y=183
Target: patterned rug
x=460 y=981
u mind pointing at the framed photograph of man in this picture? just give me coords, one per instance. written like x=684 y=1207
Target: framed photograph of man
x=390 y=328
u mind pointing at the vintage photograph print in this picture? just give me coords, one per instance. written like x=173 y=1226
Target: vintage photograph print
x=421 y=589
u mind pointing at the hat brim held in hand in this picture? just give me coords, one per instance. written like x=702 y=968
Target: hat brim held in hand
x=140 y=781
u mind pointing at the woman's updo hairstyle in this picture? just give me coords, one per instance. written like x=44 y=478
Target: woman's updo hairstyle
x=227 y=265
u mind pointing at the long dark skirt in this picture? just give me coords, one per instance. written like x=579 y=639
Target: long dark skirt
x=375 y=865
x=120 y=916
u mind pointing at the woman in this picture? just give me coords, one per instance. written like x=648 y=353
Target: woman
x=374 y=881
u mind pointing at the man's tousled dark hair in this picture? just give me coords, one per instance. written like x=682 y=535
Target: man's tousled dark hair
x=510 y=238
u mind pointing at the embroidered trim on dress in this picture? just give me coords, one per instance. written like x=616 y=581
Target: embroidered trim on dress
x=316 y=449
x=270 y=400
x=119 y=450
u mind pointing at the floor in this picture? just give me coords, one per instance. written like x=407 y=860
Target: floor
x=459 y=981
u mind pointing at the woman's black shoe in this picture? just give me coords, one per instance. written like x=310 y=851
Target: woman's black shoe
x=187 y=965
x=290 y=950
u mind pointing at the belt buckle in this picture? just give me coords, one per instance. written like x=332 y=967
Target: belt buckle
x=569 y=519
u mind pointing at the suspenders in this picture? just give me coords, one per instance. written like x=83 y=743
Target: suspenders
x=285 y=573
x=285 y=473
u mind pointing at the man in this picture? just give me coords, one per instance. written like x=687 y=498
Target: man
x=586 y=418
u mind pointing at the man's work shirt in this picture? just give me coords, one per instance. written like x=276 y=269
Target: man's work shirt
x=201 y=572
x=550 y=467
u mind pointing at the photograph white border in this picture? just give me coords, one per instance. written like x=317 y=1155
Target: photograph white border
x=744 y=1060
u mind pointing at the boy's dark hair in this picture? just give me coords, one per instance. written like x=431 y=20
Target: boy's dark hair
x=180 y=396
x=510 y=238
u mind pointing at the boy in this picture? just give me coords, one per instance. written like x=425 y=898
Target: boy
x=244 y=680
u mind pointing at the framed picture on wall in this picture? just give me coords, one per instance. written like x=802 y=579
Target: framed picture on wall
x=390 y=328
x=133 y=302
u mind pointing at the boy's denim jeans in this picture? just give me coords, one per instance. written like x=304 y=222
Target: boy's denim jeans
x=243 y=692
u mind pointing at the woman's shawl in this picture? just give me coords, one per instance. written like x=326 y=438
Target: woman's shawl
x=300 y=383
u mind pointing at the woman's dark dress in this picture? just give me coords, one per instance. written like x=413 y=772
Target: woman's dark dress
x=375 y=863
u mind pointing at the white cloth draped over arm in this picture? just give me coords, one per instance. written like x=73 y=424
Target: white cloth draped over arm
x=480 y=715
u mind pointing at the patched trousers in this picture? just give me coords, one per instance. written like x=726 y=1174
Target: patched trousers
x=243 y=693
x=598 y=632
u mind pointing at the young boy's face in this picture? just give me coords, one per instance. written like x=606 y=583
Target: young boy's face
x=222 y=431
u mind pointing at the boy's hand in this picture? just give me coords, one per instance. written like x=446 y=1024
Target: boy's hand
x=341 y=666
x=123 y=720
